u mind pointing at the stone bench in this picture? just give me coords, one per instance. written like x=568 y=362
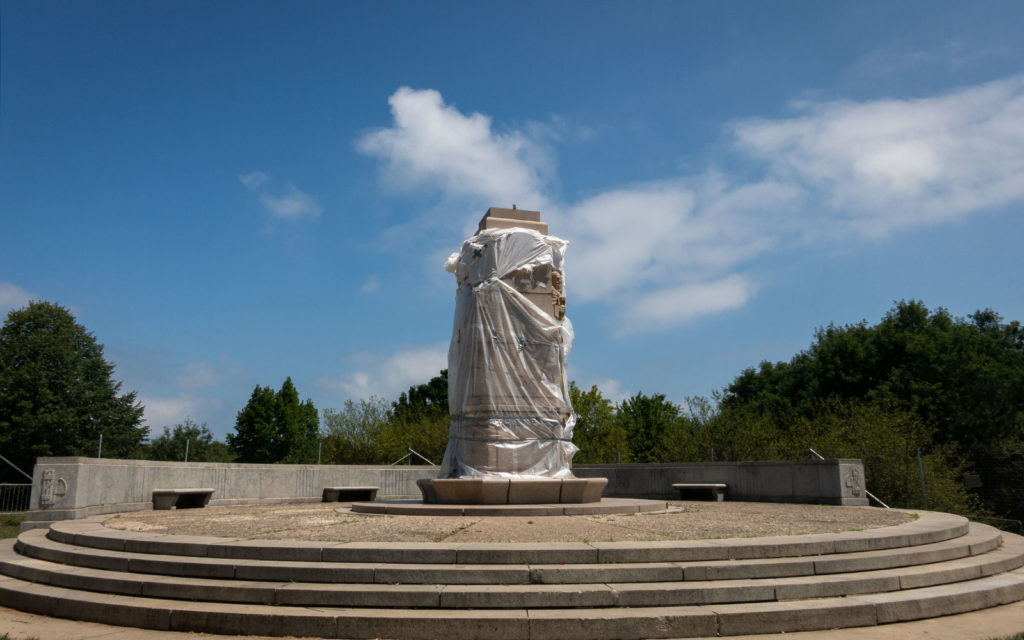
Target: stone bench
x=717 y=489
x=181 y=498
x=349 y=494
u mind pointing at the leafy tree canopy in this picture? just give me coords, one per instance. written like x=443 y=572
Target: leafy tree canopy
x=652 y=426
x=424 y=401
x=201 y=446
x=372 y=432
x=276 y=427
x=598 y=435
x=962 y=377
x=57 y=392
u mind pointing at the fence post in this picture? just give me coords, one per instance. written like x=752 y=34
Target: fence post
x=924 y=487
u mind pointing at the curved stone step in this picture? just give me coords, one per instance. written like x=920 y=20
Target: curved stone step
x=532 y=624
x=36 y=544
x=985 y=561
x=929 y=528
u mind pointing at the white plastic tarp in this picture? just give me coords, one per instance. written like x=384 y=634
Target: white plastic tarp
x=507 y=386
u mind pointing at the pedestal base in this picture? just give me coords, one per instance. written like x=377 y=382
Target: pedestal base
x=606 y=506
x=511 y=490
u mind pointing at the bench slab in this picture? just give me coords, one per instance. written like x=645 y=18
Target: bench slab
x=181 y=498
x=350 y=494
x=717 y=489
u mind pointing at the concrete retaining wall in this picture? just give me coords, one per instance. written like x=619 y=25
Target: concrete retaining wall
x=839 y=481
x=70 y=488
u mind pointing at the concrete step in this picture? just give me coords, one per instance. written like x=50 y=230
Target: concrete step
x=929 y=528
x=524 y=623
x=37 y=544
x=986 y=560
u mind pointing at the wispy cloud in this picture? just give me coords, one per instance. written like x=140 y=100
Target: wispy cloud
x=610 y=388
x=167 y=411
x=667 y=307
x=198 y=375
x=879 y=166
x=12 y=297
x=669 y=251
x=951 y=56
x=370 y=285
x=289 y=204
x=388 y=376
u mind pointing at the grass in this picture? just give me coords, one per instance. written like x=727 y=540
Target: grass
x=1016 y=636
x=9 y=529
x=7 y=637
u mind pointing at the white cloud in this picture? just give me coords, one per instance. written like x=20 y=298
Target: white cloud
x=669 y=251
x=888 y=164
x=612 y=389
x=167 y=411
x=293 y=204
x=289 y=205
x=12 y=297
x=198 y=375
x=254 y=180
x=624 y=241
x=387 y=377
x=666 y=307
x=433 y=144
x=370 y=285
x=659 y=235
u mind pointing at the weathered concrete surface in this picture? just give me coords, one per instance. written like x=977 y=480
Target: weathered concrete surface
x=74 y=487
x=670 y=608
x=997 y=622
x=839 y=481
x=690 y=527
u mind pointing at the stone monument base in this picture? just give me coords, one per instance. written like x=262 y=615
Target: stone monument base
x=494 y=490
x=606 y=506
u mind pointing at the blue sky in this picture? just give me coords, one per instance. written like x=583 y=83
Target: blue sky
x=230 y=193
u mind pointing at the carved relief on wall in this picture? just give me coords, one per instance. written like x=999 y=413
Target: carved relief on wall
x=52 y=488
x=853 y=483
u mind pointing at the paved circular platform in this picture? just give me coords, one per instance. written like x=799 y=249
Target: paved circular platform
x=931 y=566
x=606 y=506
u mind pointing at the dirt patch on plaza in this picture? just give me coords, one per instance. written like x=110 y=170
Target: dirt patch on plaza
x=684 y=521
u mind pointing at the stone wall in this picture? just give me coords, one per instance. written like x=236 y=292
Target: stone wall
x=69 y=488
x=839 y=481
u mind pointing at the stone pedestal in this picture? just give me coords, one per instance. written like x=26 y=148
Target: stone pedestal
x=495 y=490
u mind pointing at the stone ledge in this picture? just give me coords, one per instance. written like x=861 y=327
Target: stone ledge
x=522 y=491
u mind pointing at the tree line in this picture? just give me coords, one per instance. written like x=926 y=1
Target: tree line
x=921 y=393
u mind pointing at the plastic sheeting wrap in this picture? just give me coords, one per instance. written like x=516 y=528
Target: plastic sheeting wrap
x=508 y=392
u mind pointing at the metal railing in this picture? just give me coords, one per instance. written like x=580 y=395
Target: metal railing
x=1006 y=524
x=407 y=458
x=14 y=498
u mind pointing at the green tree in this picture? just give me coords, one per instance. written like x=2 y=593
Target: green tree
x=600 y=437
x=423 y=401
x=652 y=426
x=201 y=445
x=962 y=378
x=887 y=440
x=57 y=392
x=418 y=420
x=276 y=427
x=352 y=435
x=735 y=435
